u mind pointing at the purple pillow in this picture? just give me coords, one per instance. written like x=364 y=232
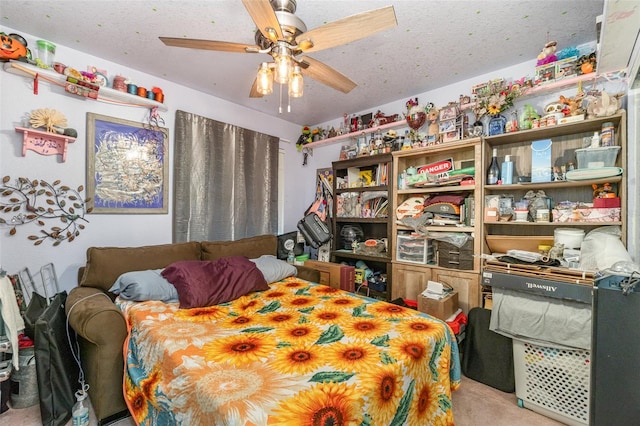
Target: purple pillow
x=211 y=282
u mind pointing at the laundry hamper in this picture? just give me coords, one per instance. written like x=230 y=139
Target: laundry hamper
x=554 y=382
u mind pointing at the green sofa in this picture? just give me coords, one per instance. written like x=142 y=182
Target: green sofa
x=100 y=325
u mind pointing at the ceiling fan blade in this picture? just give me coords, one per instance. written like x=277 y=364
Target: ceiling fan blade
x=326 y=75
x=264 y=17
x=254 y=90
x=222 y=46
x=348 y=29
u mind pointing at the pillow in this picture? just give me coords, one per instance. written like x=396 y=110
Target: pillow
x=144 y=285
x=207 y=283
x=273 y=268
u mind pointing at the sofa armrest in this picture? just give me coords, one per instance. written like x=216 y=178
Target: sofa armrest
x=307 y=273
x=94 y=316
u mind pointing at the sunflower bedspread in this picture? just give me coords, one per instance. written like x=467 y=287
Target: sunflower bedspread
x=297 y=354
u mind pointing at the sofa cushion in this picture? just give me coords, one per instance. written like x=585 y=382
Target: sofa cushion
x=207 y=283
x=105 y=264
x=144 y=285
x=251 y=247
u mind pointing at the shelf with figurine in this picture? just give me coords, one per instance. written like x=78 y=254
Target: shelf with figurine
x=356 y=134
x=97 y=92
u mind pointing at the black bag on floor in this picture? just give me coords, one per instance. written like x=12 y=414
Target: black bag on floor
x=35 y=308
x=56 y=368
x=488 y=356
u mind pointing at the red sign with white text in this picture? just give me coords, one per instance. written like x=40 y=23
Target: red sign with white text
x=438 y=169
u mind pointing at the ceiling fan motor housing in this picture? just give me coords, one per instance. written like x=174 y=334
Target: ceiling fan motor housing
x=290 y=24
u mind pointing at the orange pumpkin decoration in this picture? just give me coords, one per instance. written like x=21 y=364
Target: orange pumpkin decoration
x=12 y=48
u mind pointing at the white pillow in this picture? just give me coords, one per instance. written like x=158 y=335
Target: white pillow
x=273 y=268
x=144 y=285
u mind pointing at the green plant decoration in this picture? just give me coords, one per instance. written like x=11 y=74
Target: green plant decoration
x=28 y=201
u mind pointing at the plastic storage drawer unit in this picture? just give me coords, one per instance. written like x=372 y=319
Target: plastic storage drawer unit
x=414 y=249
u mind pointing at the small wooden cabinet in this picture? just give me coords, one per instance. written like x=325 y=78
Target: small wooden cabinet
x=467 y=284
x=410 y=281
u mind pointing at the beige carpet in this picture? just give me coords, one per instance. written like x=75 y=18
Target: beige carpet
x=473 y=404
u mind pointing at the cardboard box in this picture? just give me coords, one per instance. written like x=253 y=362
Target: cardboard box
x=441 y=308
x=541 y=160
x=567 y=67
x=334 y=274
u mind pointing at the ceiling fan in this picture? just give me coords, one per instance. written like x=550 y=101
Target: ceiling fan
x=284 y=36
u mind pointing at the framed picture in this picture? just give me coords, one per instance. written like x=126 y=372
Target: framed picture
x=451 y=136
x=447 y=126
x=127 y=166
x=449 y=112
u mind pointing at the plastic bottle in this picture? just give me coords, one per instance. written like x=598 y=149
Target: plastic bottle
x=493 y=172
x=291 y=257
x=507 y=170
x=595 y=140
x=80 y=411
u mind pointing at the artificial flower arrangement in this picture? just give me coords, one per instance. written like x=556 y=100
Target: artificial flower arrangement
x=495 y=97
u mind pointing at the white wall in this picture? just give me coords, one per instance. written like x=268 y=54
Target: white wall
x=17 y=99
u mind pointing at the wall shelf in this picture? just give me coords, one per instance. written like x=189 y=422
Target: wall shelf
x=105 y=94
x=354 y=135
x=44 y=143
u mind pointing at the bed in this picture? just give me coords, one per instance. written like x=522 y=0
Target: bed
x=298 y=353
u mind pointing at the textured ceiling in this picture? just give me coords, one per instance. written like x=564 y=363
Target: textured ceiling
x=436 y=43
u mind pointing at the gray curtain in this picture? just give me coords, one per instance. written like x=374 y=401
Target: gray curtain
x=225 y=181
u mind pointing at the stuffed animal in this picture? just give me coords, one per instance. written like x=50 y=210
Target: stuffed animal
x=304 y=138
x=572 y=105
x=604 y=105
x=433 y=132
x=548 y=54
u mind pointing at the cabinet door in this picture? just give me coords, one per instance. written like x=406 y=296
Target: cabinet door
x=409 y=281
x=466 y=284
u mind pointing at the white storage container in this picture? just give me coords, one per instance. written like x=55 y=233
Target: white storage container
x=414 y=249
x=553 y=382
x=591 y=158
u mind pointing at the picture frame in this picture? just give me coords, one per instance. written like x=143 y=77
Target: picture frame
x=449 y=112
x=451 y=136
x=127 y=166
x=447 y=126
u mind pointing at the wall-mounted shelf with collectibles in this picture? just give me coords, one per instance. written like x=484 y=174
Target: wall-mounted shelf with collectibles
x=77 y=88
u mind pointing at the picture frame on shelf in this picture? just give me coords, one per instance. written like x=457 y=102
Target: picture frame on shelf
x=449 y=112
x=447 y=126
x=127 y=166
x=451 y=136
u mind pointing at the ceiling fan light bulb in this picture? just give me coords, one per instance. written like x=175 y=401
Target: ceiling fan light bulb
x=296 y=83
x=265 y=80
x=283 y=69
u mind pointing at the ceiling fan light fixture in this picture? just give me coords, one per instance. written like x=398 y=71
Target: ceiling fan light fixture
x=265 y=80
x=284 y=64
x=296 y=83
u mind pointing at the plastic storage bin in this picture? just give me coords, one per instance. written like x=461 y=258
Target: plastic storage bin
x=553 y=382
x=414 y=249
x=590 y=158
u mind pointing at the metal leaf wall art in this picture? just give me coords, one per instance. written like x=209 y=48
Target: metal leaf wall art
x=26 y=201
